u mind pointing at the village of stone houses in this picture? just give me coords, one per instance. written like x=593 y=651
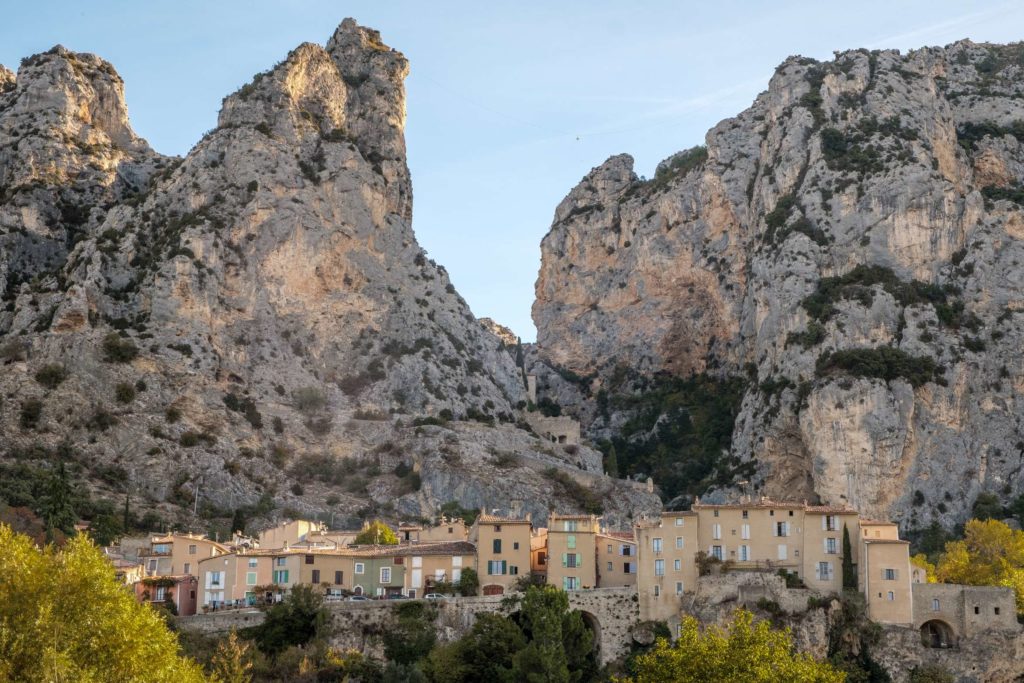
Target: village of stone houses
x=755 y=414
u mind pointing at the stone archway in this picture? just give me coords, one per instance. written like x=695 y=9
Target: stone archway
x=594 y=625
x=936 y=633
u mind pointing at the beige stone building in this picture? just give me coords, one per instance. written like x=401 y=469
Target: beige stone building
x=503 y=551
x=616 y=559
x=572 y=551
x=178 y=554
x=766 y=535
x=288 y=533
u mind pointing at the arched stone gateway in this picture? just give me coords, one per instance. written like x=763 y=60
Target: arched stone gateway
x=937 y=634
x=595 y=626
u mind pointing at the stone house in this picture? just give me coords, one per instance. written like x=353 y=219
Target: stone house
x=178 y=590
x=178 y=554
x=615 y=559
x=572 y=551
x=502 y=551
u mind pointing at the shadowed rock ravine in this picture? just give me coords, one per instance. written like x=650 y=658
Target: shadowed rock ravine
x=255 y=319
x=895 y=387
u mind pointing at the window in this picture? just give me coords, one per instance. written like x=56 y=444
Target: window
x=496 y=567
x=252 y=563
x=385 y=574
x=790 y=513
x=656 y=545
x=889 y=574
x=657 y=590
x=976 y=609
x=515 y=545
x=360 y=568
x=161 y=594
x=744 y=553
x=188 y=567
x=542 y=558
x=570 y=541
x=831 y=523
x=497 y=528
x=716 y=531
x=513 y=570
x=997 y=610
x=679 y=587
x=716 y=551
x=783 y=554
x=569 y=525
x=771 y=513
x=214 y=578
x=716 y=513
x=572 y=560
x=629 y=568
x=399 y=560
x=309 y=559
x=679 y=521
x=338 y=577
x=280 y=576
x=280 y=561
x=679 y=542
x=824 y=571
x=316 y=576
x=891 y=596
x=677 y=565
x=250 y=578
x=626 y=550
x=192 y=549
x=570 y=583
x=659 y=567
x=782 y=528
x=610 y=567
x=935 y=604
x=745 y=532
x=831 y=546
x=746 y=514
x=496 y=546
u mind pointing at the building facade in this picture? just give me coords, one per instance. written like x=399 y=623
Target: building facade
x=572 y=551
x=178 y=554
x=502 y=551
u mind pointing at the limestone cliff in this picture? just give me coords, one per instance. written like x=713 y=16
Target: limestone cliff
x=255 y=319
x=852 y=245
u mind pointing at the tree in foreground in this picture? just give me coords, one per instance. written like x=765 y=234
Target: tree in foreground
x=64 y=617
x=297 y=620
x=742 y=651
x=376 y=533
x=231 y=663
x=991 y=554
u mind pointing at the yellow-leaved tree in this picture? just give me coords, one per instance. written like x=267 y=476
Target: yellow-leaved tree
x=376 y=533
x=742 y=651
x=64 y=617
x=991 y=554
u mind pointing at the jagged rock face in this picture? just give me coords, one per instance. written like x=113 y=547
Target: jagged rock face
x=910 y=163
x=272 y=286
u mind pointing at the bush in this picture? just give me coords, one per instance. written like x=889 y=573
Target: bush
x=118 y=350
x=124 y=392
x=51 y=375
x=172 y=415
x=309 y=400
x=580 y=495
x=31 y=411
x=101 y=420
x=885 y=362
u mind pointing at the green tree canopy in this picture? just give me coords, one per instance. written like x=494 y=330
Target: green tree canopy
x=297 y=620
x=64 y=617
x=376 y=533
x=741 y=651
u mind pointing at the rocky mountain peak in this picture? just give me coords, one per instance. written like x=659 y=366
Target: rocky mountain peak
x=848 y=248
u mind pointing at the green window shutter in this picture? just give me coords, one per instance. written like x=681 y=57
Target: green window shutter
x=565 y=559
x=504 y=566
x=579 y=560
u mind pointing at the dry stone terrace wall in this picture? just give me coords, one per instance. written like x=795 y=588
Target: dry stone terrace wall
x=610 y=612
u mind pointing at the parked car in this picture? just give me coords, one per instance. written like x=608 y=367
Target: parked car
x=435 y=596
x=358 y=598
x=397 y=596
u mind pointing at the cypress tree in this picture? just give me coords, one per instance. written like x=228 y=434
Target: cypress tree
x=849 y=575
x=611 y=462
x=58 y=511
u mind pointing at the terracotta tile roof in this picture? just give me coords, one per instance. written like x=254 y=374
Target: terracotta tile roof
x=876 y=522
x=496 y=519
x=830 y=509
x=621 y=535
x=885 y=540
x=410 y=549
x=555 y=515
x=768 y=504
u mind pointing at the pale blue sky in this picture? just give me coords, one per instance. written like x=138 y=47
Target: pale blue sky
x=509 y=104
